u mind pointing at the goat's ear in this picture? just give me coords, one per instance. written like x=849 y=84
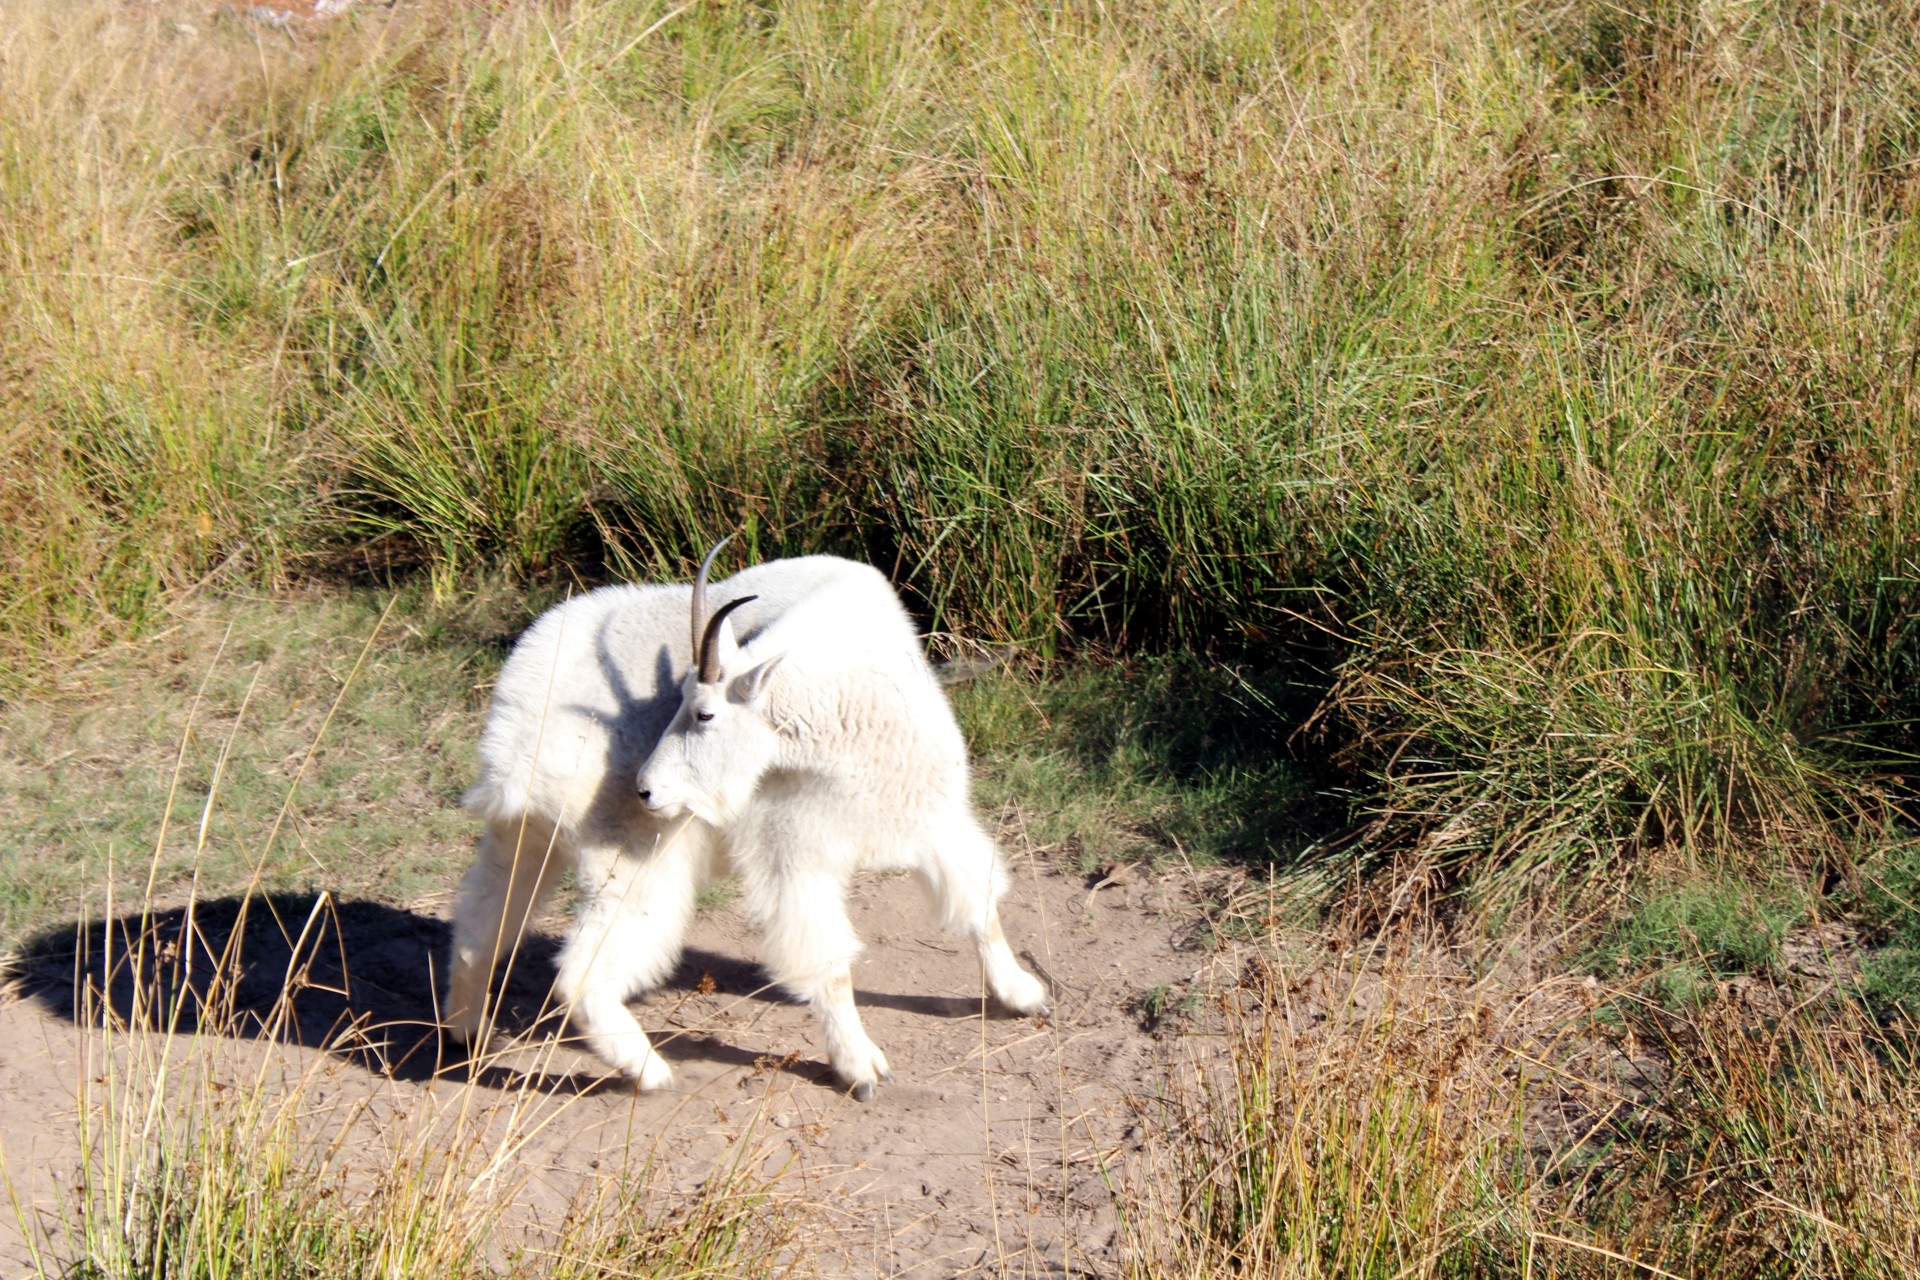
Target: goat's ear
x=750 y=687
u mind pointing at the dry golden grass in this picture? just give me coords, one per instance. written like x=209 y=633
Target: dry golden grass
x=1387 y=1114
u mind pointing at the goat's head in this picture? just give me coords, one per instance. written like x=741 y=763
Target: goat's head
x=722 y=740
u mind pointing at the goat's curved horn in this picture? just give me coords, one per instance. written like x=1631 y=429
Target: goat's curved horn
x=710 y=669
x=700 y=598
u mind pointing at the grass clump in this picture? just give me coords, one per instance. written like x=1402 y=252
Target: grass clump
x=1357 y=1140
x=217 y=1157
x=1890 y=908
x=226 y=1199
x=1784 y=1149
x=1688 y=937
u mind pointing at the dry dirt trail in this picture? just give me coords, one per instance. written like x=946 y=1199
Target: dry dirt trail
x=991 y=1153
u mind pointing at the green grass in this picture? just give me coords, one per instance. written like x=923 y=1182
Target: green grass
x=1152 y=760
x=289 y=744
x=1890 y=908
x=1687 y=937
x=229 y=1197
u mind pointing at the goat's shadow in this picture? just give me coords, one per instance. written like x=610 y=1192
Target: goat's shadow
x=355 y=979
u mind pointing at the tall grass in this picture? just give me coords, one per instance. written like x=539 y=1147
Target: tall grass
x=1383 y=1117
x=1546 y=365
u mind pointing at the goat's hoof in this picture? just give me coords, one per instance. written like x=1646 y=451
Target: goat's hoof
x=863 y=1092
x=1021 y=993
x=654 y=1075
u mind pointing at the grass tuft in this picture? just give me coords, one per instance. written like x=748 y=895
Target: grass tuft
x=1692 y=935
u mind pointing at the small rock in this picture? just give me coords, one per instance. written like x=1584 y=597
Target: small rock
x=267 y=17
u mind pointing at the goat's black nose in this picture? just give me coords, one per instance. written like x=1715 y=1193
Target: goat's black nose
x=645 y=794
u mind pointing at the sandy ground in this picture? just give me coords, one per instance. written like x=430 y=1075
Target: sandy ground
x=992 y=1152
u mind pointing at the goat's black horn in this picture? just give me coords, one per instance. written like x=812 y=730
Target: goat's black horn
x=709 y=668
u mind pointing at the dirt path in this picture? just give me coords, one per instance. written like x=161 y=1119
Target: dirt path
x=987 y=1155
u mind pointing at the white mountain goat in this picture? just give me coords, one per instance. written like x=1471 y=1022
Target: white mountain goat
x=815 y=745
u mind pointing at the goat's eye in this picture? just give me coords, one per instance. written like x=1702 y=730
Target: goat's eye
x=703 y=716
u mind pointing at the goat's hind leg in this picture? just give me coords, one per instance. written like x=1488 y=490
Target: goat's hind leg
x=515 y=866
x=965 y=879
x=633 y=918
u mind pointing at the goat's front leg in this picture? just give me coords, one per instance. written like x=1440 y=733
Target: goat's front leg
x=810 y=946
x=632 y=921
x=856 y=1059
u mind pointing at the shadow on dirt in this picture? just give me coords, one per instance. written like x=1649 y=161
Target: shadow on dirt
x=355 y=979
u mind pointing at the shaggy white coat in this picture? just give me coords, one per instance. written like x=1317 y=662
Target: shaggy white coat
x=839 y=755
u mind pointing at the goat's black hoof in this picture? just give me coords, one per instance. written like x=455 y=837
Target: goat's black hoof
x=863 y=1092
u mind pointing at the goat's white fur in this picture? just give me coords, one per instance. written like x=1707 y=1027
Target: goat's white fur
x=860 y=766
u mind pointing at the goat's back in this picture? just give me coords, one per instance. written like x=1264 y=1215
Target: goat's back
x=818 y=610
x=580 y=704
x=592 y=684
x=853 y=686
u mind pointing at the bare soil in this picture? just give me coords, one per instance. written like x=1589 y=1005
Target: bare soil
x=993 y=1151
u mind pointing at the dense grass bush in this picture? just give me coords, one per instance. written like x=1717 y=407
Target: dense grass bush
x=1543 y=373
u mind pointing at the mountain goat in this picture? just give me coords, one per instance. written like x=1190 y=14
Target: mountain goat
x=811 y=743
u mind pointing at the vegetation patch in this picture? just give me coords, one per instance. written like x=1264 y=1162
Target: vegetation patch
x=1159 y=758
x=288 y=744
x=1534 y=376
x=322 y=742
x=1890 y=974
x=1383 y=1115
x=1462 y=450
x=1688 y=937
